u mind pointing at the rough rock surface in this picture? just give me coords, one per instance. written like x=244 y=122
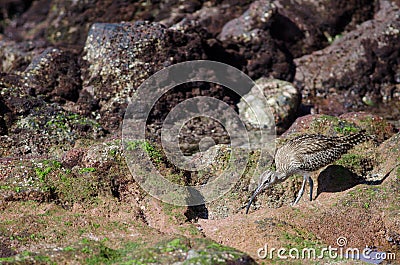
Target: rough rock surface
x=32 y=126
x=66 y=192
x=212 y=15
x=357 y=70
x=278 y=96
x=16 y=56
x=130 y=53
x=262 y=54
x=305 y=26
x=55 y=74
x=68 y=23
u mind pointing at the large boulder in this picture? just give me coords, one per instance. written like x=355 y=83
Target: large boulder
x=119 y=57
x=305 y=26
x=358 y=71
x=249 y=36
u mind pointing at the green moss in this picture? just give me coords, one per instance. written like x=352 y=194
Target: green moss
x=63 y=186
x=106 y=255
x=173 y=245
x=350 y=160
x=65 y=121
x=87 y=170
x=150 y=149
x=69 y=248
x=328 y=118
x=5 y=187
x=345 y=128
x=365 y=196
x=27 y=257
x=43 y=170
x=330 y=38
x=46 y=167
x=177 y=178
x=191 y=229
x=174 y=212
x=326 y=124
x=303 y=241
x=320 y=124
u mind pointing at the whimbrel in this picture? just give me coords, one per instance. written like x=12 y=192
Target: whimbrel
x=303 y=155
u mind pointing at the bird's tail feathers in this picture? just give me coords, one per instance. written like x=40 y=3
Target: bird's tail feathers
x=357 y=138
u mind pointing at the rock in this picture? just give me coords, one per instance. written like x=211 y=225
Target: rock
x=249 y=34
x=16 y=56
x=389 y=152
x=278 y=96
x=245 y=27
x=356 y=69
x=209 y=15
x=34 y=126
x=10 y=9
x=197 y=251
x=346 y=123
x=68 y=23
x=305 y=26
x=54 y=74
x=119 y=57
x=372 y=123
x=72 y=157
x=101 y=156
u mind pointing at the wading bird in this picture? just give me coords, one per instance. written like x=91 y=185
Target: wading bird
x=303 y=155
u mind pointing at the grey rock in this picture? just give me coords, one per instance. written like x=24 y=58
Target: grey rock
x=245 y=27
x=15 y=56
x=278 y=96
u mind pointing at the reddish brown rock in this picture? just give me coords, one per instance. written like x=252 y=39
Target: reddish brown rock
x=249 y=35
x=55 y=75
x=346 y=123
x=72 y=157
x=357 y=70
x=305 y=26
x=119 y=57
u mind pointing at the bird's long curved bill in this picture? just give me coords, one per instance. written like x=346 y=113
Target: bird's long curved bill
x=252 y=197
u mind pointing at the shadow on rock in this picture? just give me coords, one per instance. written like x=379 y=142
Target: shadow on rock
x=196 y=211
x=336 y=179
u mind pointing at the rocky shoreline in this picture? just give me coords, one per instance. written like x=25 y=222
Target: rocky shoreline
x=70 y=69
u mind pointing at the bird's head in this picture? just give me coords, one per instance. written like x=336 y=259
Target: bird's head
x=267 y=179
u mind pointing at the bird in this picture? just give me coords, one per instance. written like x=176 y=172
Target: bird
x=305 y=154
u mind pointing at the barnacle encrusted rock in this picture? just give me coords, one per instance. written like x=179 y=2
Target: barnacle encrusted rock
x=119 y=57
x=54 y=74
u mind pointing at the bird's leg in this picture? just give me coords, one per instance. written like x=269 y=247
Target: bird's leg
x=311 y=183
x=301 y=191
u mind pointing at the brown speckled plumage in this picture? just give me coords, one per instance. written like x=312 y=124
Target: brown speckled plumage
x=305 y=154
x=311 y=152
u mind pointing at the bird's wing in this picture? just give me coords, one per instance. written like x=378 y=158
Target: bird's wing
x=316 y=151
